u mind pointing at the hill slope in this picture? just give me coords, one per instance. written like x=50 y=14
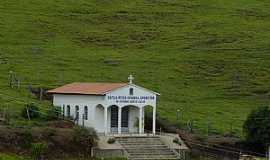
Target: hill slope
x=210 y=58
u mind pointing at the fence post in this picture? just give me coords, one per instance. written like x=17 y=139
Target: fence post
x=40 y=93
x=27 y=110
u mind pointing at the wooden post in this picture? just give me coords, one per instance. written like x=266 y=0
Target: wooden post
x=40 y=93
x=27 y=110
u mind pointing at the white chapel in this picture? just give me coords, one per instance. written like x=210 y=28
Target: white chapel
x=110 y=108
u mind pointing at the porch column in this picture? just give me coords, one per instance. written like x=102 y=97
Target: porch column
x=105 y=120
x=143 y=120
x=140 y=121
x=119 y=120
x=154 y=120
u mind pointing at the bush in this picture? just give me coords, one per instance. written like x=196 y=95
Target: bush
x=31 y=110
x=111 y=140
x=53 y=113
x=37 y=150
x=177 y=141
x=257 y=127
x=86 y=138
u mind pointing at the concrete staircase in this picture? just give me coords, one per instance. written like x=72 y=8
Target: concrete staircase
x=147 y=148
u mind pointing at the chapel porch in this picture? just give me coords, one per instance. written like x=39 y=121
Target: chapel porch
x=123 y=120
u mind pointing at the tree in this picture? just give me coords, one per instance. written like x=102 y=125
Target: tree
x=257 y=127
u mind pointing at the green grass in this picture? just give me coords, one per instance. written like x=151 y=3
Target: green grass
x=10 y=157
x=210 y=58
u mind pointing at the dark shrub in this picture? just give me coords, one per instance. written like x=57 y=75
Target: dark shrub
x=257 y=127
x=30 y=110
x=177 y=141
x=86 y=138
x=111 y=140
x=54 y=113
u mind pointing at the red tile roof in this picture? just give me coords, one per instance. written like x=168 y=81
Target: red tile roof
x=87 y=88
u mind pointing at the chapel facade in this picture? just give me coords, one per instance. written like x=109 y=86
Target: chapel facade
x=110 y=108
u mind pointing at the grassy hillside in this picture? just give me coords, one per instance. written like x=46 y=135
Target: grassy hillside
x=210 y=58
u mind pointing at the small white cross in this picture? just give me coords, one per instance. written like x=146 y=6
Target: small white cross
x=130 y=78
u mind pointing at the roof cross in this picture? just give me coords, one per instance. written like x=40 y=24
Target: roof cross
x=130 y=78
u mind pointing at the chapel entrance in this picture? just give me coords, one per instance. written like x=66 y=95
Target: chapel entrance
x=125 y=115
x=124 y=119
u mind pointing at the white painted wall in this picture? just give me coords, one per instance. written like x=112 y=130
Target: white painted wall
x=96 y=114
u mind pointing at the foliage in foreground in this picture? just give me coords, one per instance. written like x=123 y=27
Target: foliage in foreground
x=257 y=127
x=30 y=111
x=37 y=150
x=11 y=157
x=53 y=113
x=85 y=137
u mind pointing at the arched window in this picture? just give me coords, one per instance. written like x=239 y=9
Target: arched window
x=131 y=91
x=77 y=112
x=68 y=110
x=85 y=112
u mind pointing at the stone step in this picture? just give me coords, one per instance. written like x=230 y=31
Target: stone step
x=142 y=144
x=146 y=148
x=139 y=141
x=160 y=154
x=153 y=156
x=149 y=151
x=146 y=145
x=139 y=138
